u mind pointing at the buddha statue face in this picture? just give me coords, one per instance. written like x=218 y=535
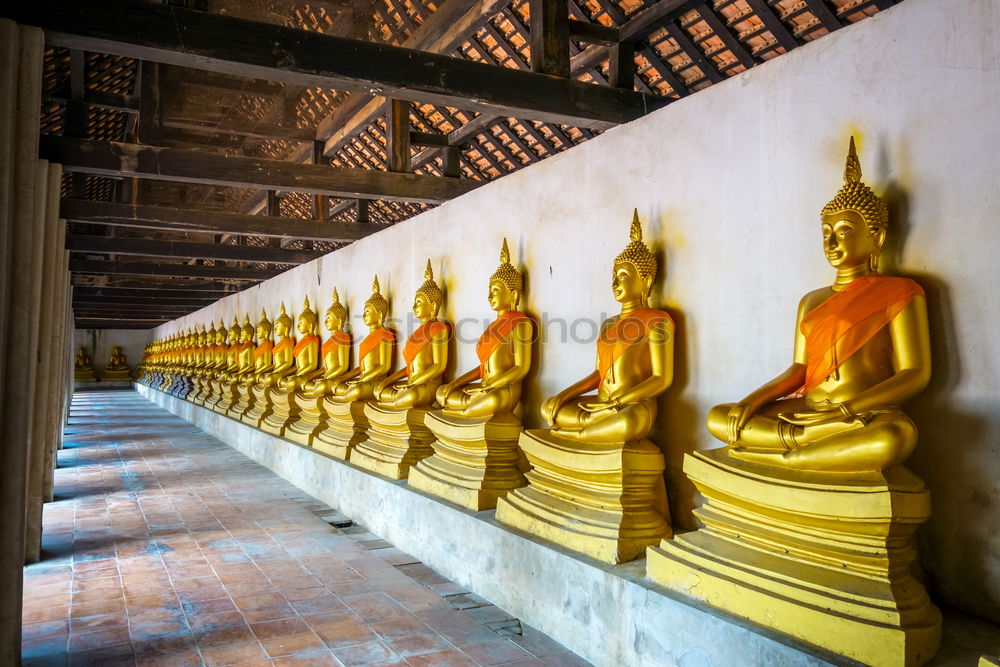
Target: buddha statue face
x=628 y=284
x=334 y=322
x=849 y=242
x=501 y=297
x=423 y=307
x=220 y=336
x=263 y=331
x=280 y=328
x=372 y=317
x=306 y=325
x=244 y=335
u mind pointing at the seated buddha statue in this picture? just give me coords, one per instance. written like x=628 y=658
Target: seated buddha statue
x=229 y=352
x=260 y=361
x=335 y=355
x=116 y=370
x=282 y=365
x=475 y=458
x=284 y=408
x=425 y=353
x=82 y=370
x=228 y=378
x=862 y=348
x=244 y=350
x=341 y=422
x=207 y=370
x=597 y=453
x=808 y=515
x=397 y=437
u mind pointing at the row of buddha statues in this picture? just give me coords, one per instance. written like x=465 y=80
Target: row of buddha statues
x=116 y=370
x=808 y=516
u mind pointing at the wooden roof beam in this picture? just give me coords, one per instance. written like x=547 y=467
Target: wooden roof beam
x=150 y=295
x=165 y=218
x=175 y=270
x=85 y=243
x=189 y=166
x=229 y=45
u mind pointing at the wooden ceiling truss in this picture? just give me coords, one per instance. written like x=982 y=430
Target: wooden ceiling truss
x=209 y=145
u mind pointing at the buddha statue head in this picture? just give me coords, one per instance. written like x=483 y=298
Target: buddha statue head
x=282 y=323
x=210 y=335
x=634 y=269
x=336 y=314
x=307 y=320
x=246 y=331
x=506 y=284
x=200 y=337
x=263 y=327
x=855 y=221
x=427 y=300
x=234 y=332
x=220 y=333
x=376 y=307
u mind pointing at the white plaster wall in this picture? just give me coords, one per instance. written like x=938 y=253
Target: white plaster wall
x=100 y=341
x=729 y=184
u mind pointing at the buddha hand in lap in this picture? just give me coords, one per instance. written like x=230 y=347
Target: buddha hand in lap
x=862 y=348
x=374 y=354
x=634 y=361
x=425 y=353
x=305 y=353
x=504 y=352
x=335 y=353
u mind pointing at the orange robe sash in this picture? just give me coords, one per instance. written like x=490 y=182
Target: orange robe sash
x=284 y=344
x=262 y=349
x=841 y=325
x=337 y=339
x=627 y=331
x=495 y=334
x=419 y=340
x=373 y=340
x=303 y=344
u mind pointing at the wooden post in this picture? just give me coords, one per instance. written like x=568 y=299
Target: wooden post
x=549 y=37
x=621 y=68
x=320 y=202
x=363 y=216
x=397 y=134
x=452 y=160
x=21 y=76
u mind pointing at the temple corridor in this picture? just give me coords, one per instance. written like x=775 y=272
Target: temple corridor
x=166 y=547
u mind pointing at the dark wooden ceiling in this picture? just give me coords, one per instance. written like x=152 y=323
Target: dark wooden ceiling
x=195 y=173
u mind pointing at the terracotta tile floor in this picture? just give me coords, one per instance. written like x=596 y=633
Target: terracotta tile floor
x=166 y=547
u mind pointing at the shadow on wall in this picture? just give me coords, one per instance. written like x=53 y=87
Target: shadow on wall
x=959 y=546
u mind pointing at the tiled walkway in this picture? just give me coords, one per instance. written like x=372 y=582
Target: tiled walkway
x=166 y=547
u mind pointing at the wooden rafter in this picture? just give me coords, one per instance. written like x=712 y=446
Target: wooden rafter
x=88 y=243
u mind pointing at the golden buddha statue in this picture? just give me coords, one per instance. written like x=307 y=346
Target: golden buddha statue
x=223 y=373
x=597 y=483
x=116 y=369
x=336 y=357
x=475 y=449
x=262 y=363
x=283 y=363
x=397 y=437
x=809 y=514
x=346 y=423
x=198 y=367
x=182 y=380
x=284 y=408
x=207 y=371
x=243 y=352
x=170 y=363
x=82 y=370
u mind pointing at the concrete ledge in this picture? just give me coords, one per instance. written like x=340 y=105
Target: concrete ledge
x=608 y=615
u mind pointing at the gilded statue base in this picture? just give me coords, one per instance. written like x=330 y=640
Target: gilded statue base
x=310 y=419
x=827 y=558
x=606 y=501
x=230 y=394
x=243 y=403
x=474 y=462
x=116 y=375
x=397 y=440
x=283 y=410
x=185 y=387
x=346 y=426
x=203 y=388
x=214 y=393
x=84 y=375
x=261 y=403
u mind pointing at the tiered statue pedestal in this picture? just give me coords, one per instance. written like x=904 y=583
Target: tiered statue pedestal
x=604 y=501
x=260 y=404
x=180 y=387
x=310 y=419
x=84 y=375
x=168 y=381
x=230 y=394
x=474 y=461
x=203 y=387
x=346 y=425
x=243 y=403
x=827 y=558
x=214 y=393
x=116 y=375
x=284 y=410
x=397 y=440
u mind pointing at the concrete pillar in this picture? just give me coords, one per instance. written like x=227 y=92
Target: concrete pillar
x=22 y=51
x=62 y=365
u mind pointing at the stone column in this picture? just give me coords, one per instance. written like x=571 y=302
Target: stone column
x=61 y=359
x=21 y=54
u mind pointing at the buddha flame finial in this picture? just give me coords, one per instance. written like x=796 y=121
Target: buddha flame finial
x=283 y=318
x=337 y=308
x=636 y=252
x=376 y=300
x=506 y=273
x=857 y=198
x=430 y=289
